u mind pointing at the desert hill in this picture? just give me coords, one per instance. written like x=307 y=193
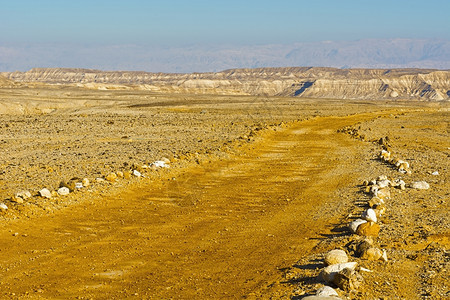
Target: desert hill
x=311 y=82
x=4 y=82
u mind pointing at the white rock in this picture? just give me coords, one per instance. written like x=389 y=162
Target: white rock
x=374 y=189
x=398 y=182
x=63 y=191
x=23 y=194
x=382 y=177
x=329 y=273
x=420 y=185
x=369 y=215
x=383 y=183
x=336 y=256
x=85 y=182
x=326 y=291
x=315 y=297
x=355 y=224
x=99 y=179
x=160 y=164
x=384 y=256
x=137 y=173
x=365 y=270
x=399 y=162
x=45 y=193
x=3 y=206
x=383 y=193
x=435 y=173
x=79 y=185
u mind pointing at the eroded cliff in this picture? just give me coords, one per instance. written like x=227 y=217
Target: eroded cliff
x=292 y=82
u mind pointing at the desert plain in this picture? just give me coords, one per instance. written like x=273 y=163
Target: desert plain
x=258 y=189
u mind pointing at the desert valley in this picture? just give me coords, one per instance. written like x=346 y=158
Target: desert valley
x=235 y=184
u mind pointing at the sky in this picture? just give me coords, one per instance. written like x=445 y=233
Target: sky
x=176 y=23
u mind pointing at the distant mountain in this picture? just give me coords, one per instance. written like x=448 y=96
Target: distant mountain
x=370 y=53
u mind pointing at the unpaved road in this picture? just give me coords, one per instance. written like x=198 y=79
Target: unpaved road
x=224 y=229
x=219 y=230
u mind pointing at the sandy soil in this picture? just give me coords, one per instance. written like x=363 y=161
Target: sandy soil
x=258 y=191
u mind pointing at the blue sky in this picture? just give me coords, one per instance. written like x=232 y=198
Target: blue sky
x=249 y=22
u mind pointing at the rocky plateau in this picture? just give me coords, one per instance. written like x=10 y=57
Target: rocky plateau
x=306 y=82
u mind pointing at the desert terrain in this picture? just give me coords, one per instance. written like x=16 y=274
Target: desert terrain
x=223 y=188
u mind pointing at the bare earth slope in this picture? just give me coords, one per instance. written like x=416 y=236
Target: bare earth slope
x=299 y=82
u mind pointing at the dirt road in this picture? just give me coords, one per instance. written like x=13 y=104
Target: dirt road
x=219 y=230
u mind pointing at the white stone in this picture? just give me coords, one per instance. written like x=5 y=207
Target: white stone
x=23 y=194
x=137 y=173
x=3 y=206
x=383 y=183
x=315 y=297
x=435 y=173
x=383 y=193
x=63 y=191
x=160 y=164
x=329 y=273
x=85 y=182
x=393 y=94
x=382 y=177
x=384 y=256
x=336 y=256
x=374 y=189
x=45 y=193
x=355 y=224
x=79 y=185
x=420 y=185
x=326 y=291
x=369 y=215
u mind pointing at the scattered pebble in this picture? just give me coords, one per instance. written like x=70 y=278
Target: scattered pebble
x=420 y=185
x=63 y=191
x=23 y=194
x=160 y=164
x=435 y=173
x=3 y=206
x=45 y=193
x=383 y=193
x=137 y=173
x=111 y=177
x=315 y=297
x=85 y=182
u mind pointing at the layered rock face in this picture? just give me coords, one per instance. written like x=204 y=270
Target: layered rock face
x=307 y=82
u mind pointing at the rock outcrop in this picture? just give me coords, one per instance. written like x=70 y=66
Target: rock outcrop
x=308 y=82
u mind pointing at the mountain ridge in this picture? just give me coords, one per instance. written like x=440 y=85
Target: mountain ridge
x=366 y=53
x=311 y=82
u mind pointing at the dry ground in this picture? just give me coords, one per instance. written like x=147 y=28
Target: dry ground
x=259 y=189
